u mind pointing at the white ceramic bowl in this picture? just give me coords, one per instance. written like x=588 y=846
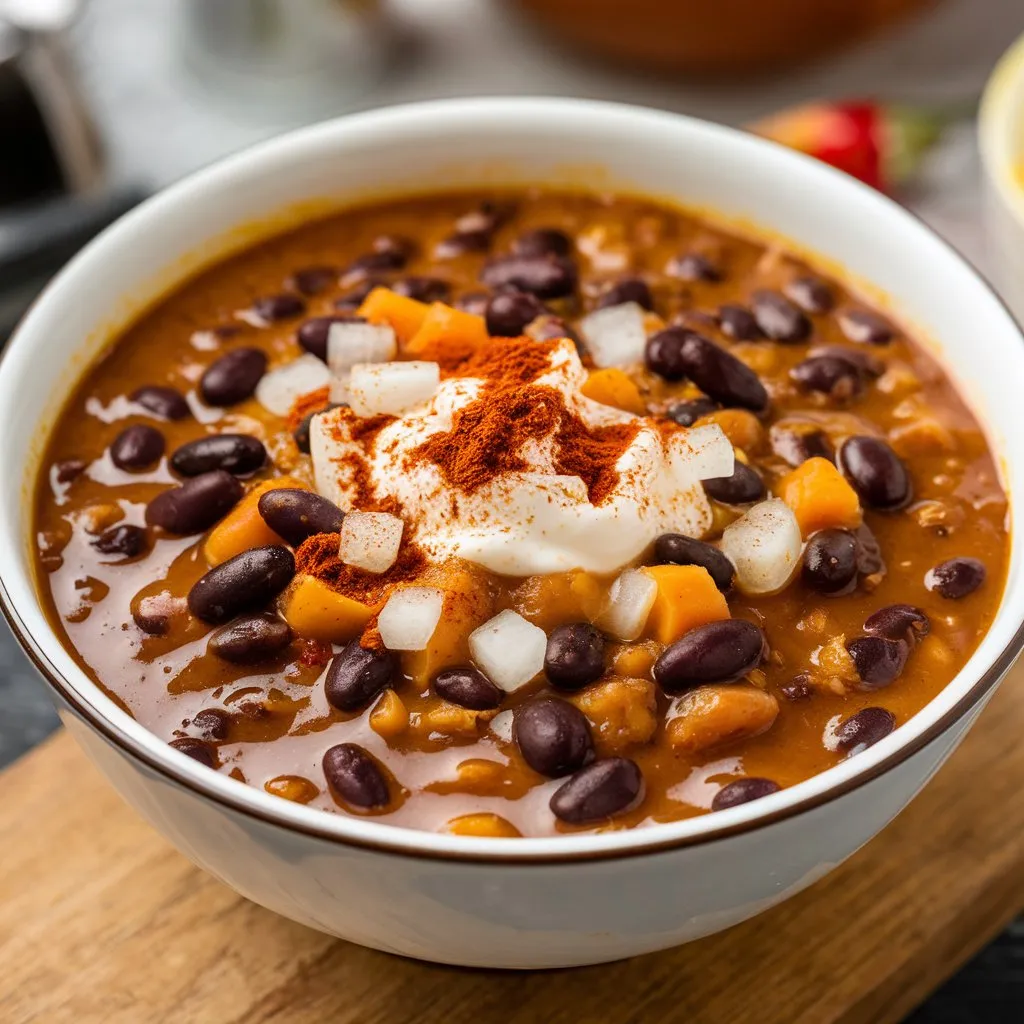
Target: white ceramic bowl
x=540 y=902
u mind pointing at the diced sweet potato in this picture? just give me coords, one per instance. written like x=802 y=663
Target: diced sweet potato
x=613 y=387
x=243 y=527
x=742 y=428
x=687 y=597
x=390 y=717
x=405 y=315
x=492 y=826
x=712 y=715
x=454 y=327
x=635 y=660
x=549 y=601
x=313 y=610
x=622 y=713
x=819 y=497
x=439 y=716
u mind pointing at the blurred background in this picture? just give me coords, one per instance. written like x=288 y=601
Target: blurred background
x=105 y=101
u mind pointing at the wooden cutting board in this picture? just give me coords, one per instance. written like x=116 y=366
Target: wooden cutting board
x=101 y=920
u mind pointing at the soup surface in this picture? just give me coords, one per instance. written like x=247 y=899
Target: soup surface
x=519 y=513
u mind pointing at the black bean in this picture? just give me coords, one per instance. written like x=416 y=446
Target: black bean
x=233 y=377
x=879 y=661
x=830 y=562
x=197 y=750
x=838 y=378
x=163 y=402
x=356 y=675
x=865 y=327
x=575 y=656
x=297 y=515
x=876 y=472
x=811 y=294
x=212 y=724
x=744 y=486
x=196 y=505
x=687 y=413
x=599 y=791
x=797 y=442
x=301 y=432
x=234 y=453
x=313 y=280
x=353 y=298
x=243 y=583
x=778 y=317
x=718 y=652
x=423 y=288
x=866 y=361
x=462 y=243
x=355 y=777
x=869 y=552
x=124 y=540
x=676 y=352
x=864 y=729
x=468 y=688
x=898 y=622
x=313 y=333
x=547 y=328
x=509 y=312
x=955 y=578
x=798 y=688
x=137 y=447
x=692 y=266
x=742 y=791
x=547 y=277
x=473 y=302
x=553 y=737
x=489 y=216
x=285 y=306
x=543 y=242
x=68 y=470
x=250 y=639
x=738 y=323
x=678 y=549
x=389 y=253
x=629 y=289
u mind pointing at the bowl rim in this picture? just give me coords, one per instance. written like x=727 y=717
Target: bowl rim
x=1002 y=99
x=129 y=738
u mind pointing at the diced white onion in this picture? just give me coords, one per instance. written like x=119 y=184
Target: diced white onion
x=764 y=544
x=351 y=344
x=615 y=335
x=700 y=453
x=508 y=650
x=370 y=540
x=629 y=603
x=278 y=389
x=501 y=725
x=408 y=619
x=391 y=388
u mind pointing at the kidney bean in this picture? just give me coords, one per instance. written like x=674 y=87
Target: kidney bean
x=677 y=549
x=272 y=308
x=543 y=242
x=423 y=288
x=798 y=688
x=553 y=737
x=301 y=432
x=778 y=317
x=468 y=688
x=575 y=656
x=738 y=323
x=242 y=583
x=250 y=639
x=68 y=470
x=355 y=777
x=163 y=402
x=811 y=294
x=124 y=540
x=864 y=729
x=864 y=360
x=955 y=578
x=197 y=750
x=547 y=277
x=389 y=253
x=719 y=374
x=311 y=281
x=462 y=243
x=234 y=453
x=473 y=302
x=233 y=377
x=212 y=724
x=687 y=413
x=153 y=613
x=718 y=652
x=742 y=791
x=509 y=312
x=879 y=661
x=876 y=472
x=830 y=562
x=692 y=266
x=489 y=216
x=356 y=675
x=313 y=333
x=865 y=327
x=196 y=505
x=137 y=447
x=796 y=443
x=629 y=289
x=744 y=486
x=898 y=622
x=601 y=790
x=297 y=515
x=830 y=375
x=353 y=298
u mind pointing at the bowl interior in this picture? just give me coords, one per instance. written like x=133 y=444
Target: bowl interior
x=872 y=244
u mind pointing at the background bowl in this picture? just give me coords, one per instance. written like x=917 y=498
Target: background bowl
x=537 y=902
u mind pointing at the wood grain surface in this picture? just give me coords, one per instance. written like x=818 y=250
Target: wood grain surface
x=101 y=920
